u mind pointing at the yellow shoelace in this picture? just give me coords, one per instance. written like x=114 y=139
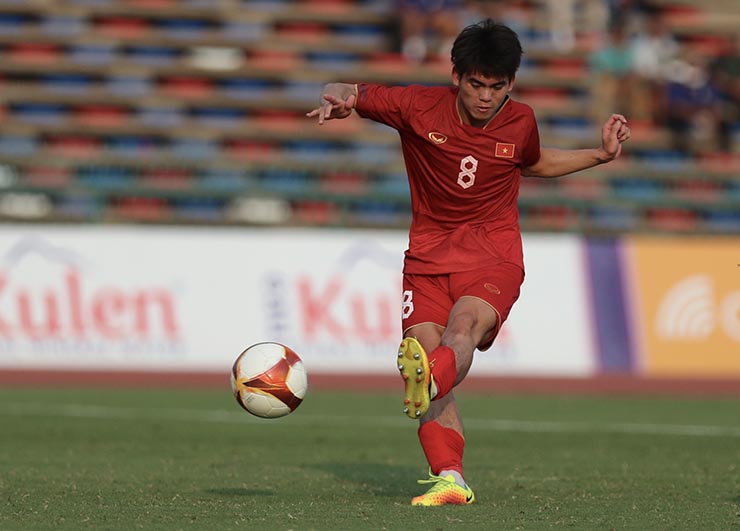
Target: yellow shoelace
x=437 y=480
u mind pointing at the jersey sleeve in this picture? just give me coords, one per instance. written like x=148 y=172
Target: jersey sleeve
x=387 y=105
x=531 y=152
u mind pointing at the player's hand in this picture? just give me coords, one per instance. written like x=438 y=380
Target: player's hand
x=337 y=101
x=614 y=132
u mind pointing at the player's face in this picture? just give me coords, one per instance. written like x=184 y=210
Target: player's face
x=480 y=96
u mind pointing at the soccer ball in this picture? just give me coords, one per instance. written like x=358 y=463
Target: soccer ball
x=269 y=380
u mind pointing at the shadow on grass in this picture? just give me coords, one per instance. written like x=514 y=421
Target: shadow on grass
x=379 y=479
x=240 y=491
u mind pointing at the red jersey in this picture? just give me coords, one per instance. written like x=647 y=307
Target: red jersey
x=464 y=180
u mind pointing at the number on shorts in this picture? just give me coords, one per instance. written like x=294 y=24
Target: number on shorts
x=407 y=307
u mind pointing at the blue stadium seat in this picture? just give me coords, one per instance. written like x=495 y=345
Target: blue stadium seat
x=219 y=117
x=18 y=145
x=723 y=220
x=78 y=83
x=376 y=213
x=194 y=148
x=183 y=28
x=160 y=116
x=332 y=60
x=224 y=180
x=153 y=55
x=245 y=88
x=397 y=186
x=311 y=150
x=302 y=90
x=638 y=188
x=612 y=218
x=13 y=23
x=92 y=54
x=199 y=208
x=39 y=113
x=245 y=31
x=83 y=207
x=106 y=177
x=63 y=25
x=132 y=146
x=361 y=34
x=128 y=85
x=286 y=181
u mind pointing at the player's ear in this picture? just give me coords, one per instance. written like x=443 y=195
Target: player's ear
x=511 y=83
x=455 y=77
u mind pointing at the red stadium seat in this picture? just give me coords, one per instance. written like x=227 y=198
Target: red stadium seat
x=75 y=146
x=124 y=27
x=102 y=115
x=48 y=176
x=140 y=208
x=344 y=183
x=671 y=219
x=188 y=87
x=167 y=178
x=34 y=53
x=304 y=32
x=252 y=150
x=274 y=60
x=316 y=212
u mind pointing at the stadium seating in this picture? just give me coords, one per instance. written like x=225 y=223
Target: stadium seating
x=192 y=111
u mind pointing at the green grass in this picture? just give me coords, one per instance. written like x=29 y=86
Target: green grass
x=152 y=459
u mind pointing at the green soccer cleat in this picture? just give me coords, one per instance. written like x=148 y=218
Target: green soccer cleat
x=444 y=492
x=417 y=375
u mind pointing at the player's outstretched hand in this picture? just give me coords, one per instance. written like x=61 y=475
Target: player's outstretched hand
x=337 y=101
x=614 y=132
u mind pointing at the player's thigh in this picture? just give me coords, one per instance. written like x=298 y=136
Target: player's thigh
x=473 y=317
x=426 y=300
x=497 y=288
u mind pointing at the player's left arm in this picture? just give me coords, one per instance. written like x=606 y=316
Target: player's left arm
x=558 y=162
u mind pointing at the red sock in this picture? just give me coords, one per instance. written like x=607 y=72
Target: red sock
x=442 y=446
x=444 y=369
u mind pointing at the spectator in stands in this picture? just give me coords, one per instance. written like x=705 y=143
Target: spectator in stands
x=465 y=148
x=626 y=13
x=561 y=17
x=514 y=13
x=693 y=104
x=612 y=80
x=725 y=77
x=653 y=49
x=427 y=28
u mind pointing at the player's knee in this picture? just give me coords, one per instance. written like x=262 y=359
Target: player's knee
x=460 y=327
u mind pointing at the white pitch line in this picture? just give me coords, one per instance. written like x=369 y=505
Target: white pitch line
x=635 y=428
x=223 y=416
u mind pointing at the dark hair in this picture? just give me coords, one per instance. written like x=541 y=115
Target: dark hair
x=487 y=48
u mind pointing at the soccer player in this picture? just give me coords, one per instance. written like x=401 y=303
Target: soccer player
x=465 y=148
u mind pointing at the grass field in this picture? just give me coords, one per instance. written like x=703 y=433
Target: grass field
x=183 y=459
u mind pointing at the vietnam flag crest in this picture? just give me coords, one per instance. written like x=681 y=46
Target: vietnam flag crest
x=505 y=151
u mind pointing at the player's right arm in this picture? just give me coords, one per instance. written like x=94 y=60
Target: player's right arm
x=337 y=101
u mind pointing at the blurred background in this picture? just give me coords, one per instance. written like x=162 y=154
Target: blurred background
x=165 y=202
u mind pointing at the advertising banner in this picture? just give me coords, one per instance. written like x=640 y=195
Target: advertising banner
x=164 y=298
x=685 y=295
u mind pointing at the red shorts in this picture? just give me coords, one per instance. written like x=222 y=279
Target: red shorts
x=429 y=298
